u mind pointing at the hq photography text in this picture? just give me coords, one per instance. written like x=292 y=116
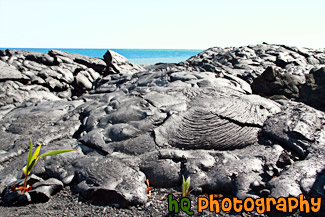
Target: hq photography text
x=260 y=205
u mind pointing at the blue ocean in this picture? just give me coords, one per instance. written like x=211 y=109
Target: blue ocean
x=138 y=56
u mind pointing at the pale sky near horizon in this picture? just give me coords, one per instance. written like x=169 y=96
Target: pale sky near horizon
x=168 y=24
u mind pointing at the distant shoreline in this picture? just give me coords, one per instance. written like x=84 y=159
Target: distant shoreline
x=138 y=56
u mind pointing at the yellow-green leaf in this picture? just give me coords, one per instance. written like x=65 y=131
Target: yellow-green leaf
x=30 y=152
x=35 y=155
x=183 y=187
x=55 y=152
x=187 y=184
x=32 y=164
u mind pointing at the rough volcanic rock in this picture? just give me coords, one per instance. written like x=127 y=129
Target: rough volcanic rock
x=110 y=181
x=8 y=72
x=313 y=90
x=250 y=61
x=198 y=118
x=309 y=90
x=97 y=64
x=272 y=83
x=298 y=128
x=53 y=76
x=43 y=190
x=34 y=121
x=253 y=60
x=162 y=172
x=213 y=171
x=16 y=198
x=275 y=71
x=221 y=123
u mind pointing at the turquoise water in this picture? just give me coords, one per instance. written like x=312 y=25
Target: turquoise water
x=138 y=56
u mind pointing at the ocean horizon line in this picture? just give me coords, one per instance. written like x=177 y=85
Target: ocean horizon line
x=1 y=48
x=138 y=56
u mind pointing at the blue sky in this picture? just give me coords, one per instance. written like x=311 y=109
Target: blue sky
x=187 y=24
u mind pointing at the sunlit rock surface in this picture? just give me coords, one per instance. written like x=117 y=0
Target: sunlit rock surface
x=205 y=118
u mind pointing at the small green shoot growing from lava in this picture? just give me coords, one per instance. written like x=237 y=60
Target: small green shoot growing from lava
x=186 y=186
x=33 y=158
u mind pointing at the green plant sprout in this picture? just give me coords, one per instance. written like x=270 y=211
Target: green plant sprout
x=34 y=159
x=186 y=186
